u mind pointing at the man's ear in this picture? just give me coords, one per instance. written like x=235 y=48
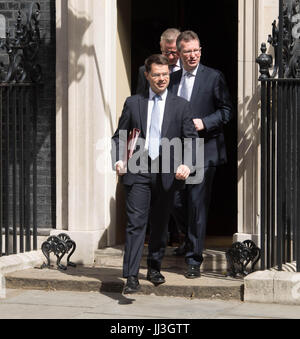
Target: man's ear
x=146 y=75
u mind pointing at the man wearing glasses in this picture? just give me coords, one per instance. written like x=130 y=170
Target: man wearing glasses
x=207 y=92
x=149 y=194
x=168 y=49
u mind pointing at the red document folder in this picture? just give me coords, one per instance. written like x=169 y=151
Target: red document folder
x=131 y=143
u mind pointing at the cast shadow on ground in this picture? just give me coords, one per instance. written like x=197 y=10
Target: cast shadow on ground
x=107 y=279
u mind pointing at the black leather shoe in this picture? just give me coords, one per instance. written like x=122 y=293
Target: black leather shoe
x=132 y=285
x=193 y=271
x=155 y=277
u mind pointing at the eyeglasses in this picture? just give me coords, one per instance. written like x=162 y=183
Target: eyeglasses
x=195 y=51
x=169 y=53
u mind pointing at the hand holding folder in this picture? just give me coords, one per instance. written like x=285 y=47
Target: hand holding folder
x=131 y=144
x=121 y=165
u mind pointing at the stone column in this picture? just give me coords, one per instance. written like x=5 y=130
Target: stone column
x=62 y=114
x=123 y=91
x=86 y=121
x=255 y=23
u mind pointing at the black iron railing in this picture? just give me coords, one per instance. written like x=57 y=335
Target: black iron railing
x=20 y=80
x=18 y=170
x=280 y=172
x=280 y=141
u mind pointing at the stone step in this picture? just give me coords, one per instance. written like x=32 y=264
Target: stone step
x=107 y=280
x=214 y=259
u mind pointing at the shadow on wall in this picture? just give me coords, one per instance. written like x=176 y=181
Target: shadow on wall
x=248 y=155
x=70 y=59
x=249 y=141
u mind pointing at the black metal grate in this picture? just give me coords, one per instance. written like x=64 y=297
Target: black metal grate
x=19 y=101
x=280 y=172
x=18 y=168
x=280 y=141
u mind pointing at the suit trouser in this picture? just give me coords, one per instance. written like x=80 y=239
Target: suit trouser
x=192 y=205
x=146 y=200
x=179 y=211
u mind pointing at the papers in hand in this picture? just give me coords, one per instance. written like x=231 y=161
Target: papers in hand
x=131 y=143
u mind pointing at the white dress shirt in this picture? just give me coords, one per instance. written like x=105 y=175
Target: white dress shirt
x=190 y=81
x=176 y=67
x=161 y=105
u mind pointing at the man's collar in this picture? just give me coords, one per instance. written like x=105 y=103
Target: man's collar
x=176 y=67
x=193 y=72
x=152 y=94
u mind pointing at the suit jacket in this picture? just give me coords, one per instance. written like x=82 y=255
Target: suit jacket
x=210 y=101
x=142 y=83
x=177 y=123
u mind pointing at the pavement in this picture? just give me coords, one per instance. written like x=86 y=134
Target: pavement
x=38 y=304
x=95 y=292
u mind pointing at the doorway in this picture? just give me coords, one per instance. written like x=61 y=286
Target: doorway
x=216 y=23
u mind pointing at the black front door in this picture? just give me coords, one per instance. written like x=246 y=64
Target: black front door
x=216 y=23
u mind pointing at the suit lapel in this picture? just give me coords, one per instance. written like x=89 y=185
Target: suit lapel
x=143 y=106
x=167 y=115
x=197 y=83
x=176 y=82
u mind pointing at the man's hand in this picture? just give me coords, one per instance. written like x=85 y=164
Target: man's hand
x=199 y=125
x=182 y=172
x=120 y=168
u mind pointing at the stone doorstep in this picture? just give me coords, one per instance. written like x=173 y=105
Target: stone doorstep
x=106 y=280
x=109 y=279
x=272 y=286
x=214 y=260
x=21 y=261
x=268 y=286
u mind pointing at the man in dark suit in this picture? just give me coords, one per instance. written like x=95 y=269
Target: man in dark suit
x=168 y=48
x=160 y=116
x=206 y=90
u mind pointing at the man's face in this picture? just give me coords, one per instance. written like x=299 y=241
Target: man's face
x=158 y=78
x=190 y=54
x=170 y=51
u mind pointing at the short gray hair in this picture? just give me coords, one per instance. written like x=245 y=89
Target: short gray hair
x=170 y=35
x=186 y=36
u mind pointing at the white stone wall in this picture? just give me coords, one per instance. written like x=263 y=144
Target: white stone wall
x=255 y=24
x=86 y=86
